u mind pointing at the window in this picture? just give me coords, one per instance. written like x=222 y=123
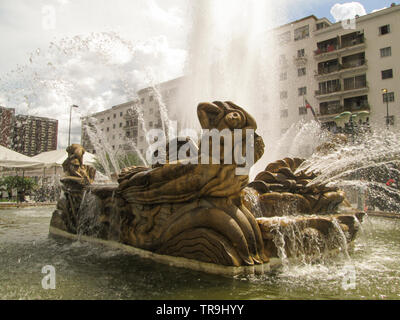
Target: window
x=128 y=133
x=355 y=82
x=284 y=37
x=284 y=113
x=283 y=76
x=151 y=98
x=301 y=33
x=114 y=115
x=108 y=118
x=302 y=111
x=102 y=120
x=384 y=29
x=301 y=53
x=387 y=74
x=282 y=60
x=108 y=129
x=151 y=124
x=121 y=113
x=120 y=124
x=388 y=97
x=386 y=52
x=114 y=126
x=302 y=91
x=283 y=95
x=301 y=72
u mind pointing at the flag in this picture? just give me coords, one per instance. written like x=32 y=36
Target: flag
x=390 y=182
x=308 y=106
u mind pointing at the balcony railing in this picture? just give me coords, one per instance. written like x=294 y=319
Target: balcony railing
x=334 y=109
x=337 y=109
x=328 y=91
x=356 y=86
x=341 y=67
x=357 y=107
x=330 y=48
x=355 y=64
x=336 y=47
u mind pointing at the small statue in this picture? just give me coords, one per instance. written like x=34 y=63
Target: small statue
x=74 y=168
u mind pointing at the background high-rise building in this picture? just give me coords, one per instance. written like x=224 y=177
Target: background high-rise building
x=34 y=135
x=340 y=67
x=7 y=118
x=26 y=134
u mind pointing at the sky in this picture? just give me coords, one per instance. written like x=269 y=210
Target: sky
x=98 y=53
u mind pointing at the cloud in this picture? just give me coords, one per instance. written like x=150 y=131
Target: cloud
x=376 y=10
x=94 y=72
x=347 y=10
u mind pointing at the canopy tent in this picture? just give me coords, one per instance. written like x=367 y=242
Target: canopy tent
x=57 y=157
x=10 y=159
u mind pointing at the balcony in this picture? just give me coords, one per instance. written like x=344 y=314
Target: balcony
x=330 y=112
x=341 y=69
x=328 y=92
x=332 y=47
x=331 y=109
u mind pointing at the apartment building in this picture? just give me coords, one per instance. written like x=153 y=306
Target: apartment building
x=34 y=135
x=340 y=67
x=7 y=118
x=106 y=128
x=25 y=134
x=123 y=127
x=358 y=70
x=294 y=46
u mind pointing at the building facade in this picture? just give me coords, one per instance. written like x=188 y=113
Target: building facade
x=7 y=119
x=123 y=128
x=332 y=67
x=34 y=135
x=340 y=67
x=28 y=135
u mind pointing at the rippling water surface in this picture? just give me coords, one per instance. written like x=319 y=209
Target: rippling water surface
x=87 y=271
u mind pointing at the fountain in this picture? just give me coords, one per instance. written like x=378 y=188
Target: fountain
x=207 y=217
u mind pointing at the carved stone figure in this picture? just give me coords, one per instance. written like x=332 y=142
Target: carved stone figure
x=201 y=211
x=282 y=191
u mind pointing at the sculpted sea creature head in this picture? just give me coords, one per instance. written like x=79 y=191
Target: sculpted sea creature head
x=224 y=115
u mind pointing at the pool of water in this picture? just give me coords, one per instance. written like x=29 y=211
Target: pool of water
x=88 y=271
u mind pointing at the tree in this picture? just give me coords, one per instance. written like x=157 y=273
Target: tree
x=22 y=184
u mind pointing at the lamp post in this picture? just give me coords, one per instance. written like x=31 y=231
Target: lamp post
x=70 y=117
x=385 y=93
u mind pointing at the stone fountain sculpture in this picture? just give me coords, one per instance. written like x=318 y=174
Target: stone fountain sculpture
x=202 y=212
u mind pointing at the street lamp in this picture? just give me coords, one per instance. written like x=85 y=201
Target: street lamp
x=385 y=94
x=70 y=117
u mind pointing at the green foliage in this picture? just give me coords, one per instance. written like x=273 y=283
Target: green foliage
x=17 y=182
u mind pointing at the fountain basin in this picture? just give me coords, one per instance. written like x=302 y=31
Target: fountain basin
x=101 y=221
